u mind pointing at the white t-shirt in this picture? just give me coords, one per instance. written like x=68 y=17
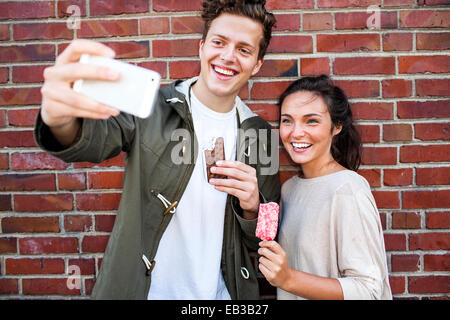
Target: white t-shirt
x=189 y=254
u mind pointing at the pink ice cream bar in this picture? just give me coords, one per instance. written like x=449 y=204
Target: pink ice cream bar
x=266 y=228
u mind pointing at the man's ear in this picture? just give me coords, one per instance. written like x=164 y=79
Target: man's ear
x=200 y=47
x=258 y=66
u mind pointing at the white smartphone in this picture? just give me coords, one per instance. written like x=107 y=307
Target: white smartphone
x=135 y=91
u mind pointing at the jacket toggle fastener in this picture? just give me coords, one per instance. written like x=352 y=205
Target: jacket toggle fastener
x=148 y=265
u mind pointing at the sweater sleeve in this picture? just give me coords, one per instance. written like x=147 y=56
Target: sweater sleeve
x=360 y=246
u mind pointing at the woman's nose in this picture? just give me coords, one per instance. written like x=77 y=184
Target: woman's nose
x=299 y=131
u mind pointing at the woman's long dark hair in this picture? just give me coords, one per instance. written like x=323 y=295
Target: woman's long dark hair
x=346 y=146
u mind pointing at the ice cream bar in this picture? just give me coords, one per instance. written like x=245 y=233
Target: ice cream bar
x=267 y=226
x=212 y=155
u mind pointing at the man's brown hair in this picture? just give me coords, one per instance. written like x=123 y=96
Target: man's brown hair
x=253 y=9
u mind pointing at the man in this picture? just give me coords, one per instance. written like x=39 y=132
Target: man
x=203 y=253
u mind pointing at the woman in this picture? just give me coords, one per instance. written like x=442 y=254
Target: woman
x=330 y=240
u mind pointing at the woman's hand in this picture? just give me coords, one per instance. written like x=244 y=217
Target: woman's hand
x=273 y=264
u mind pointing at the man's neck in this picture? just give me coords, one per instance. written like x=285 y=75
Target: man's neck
x=215 y=103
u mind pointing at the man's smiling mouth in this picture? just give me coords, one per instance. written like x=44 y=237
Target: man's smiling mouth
x=224 y=71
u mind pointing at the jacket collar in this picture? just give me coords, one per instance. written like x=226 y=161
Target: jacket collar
x=177 y=92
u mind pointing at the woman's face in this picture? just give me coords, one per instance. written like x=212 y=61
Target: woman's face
x=305 y=130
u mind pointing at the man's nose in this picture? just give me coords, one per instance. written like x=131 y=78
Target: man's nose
x=228 y=54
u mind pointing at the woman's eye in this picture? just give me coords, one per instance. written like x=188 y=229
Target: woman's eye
x=285 y=121
x=312 y=121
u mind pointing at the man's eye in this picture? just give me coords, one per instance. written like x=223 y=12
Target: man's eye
x=217 y=42
x=245 y=51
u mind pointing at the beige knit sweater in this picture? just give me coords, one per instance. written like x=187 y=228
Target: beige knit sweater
x=330 y=227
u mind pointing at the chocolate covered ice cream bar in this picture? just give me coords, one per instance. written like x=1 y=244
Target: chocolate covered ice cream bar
x=215 y=153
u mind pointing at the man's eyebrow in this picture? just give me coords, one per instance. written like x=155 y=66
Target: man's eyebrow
x=246 y=44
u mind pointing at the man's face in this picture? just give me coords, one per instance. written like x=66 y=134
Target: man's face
x=229 y=54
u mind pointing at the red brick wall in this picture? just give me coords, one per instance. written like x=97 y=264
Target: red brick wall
x=54 y=215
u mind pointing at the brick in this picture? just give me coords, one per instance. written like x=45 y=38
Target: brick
x=359 y=88
x=105 y=7
x=285 y=159
x=433 y=41
x=268 y=90
x=105 y=180
x=94 y=243
x=314 y=66
x=20 y=96
x=183 y=25
x=177 y=5
x=394 y=3
x=386 y=199
x=2 y=118
x=104 y=222
x=432 y=131
x=24 y=10
x=17 y=139
x=46 y=286
x=429 y=241
x=43 y=203
x=436 y=262
x=373 y=176
x=175 y=48
x=28 y=74
x=98 y=202
x=348 y=42
x=27 y=182
x=437 y=220
x=184 y=69
x=362 y=20
x=4 y=75
x=286 y=175
x=405 y=262
x=8 y=245
x=63 y=6
x=279 y=68
x=34 y=266
x=396 y=88
x=48 y=245
x=87 y=266
x=363 y=65
x=154 y=25
x=317 y=21
x=9 y=286
x=72 y=181
x=287 y=22
x=431 y=2
x=130 y=49
x=426 y=199
x=397 y=132
x=425 y=19
x=289 y=4
x=433 y=176
x=406 y=220
x=28 y=52
x=267 y=111
x=433 y=87
x=117 y=161
x=41 y=31
x=290 y=44
x=397 y=284
x=4 y=32
x=5 y=202
x=379 y=155
x=158 y=66
x=368 y=133
x=22 y=118
x=397 y=41
x=395 y=242
x=423 y=64
x=423 y=109
x=398 y=177
x=4 y=161
x=80 y=223
x=347 y=3
x=430 y=153
x=373 y=111
x=36 y=161
x=102 y=28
